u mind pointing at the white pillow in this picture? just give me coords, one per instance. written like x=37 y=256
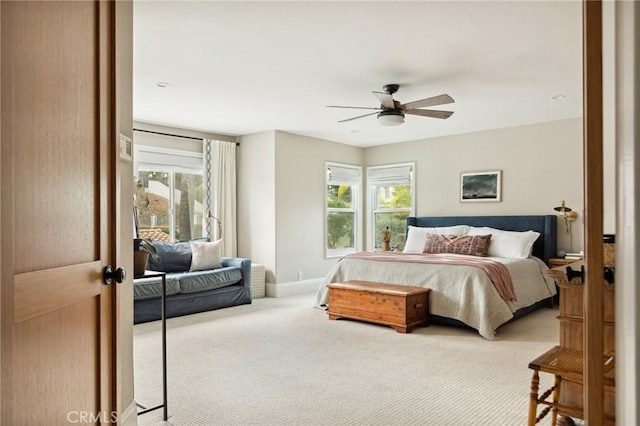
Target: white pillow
x=507 y=243
x=417 y=236
x=206 y=255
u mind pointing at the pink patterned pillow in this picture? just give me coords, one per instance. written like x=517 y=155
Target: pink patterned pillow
x=474 y=245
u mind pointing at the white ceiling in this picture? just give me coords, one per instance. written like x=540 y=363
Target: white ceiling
x=246 y=67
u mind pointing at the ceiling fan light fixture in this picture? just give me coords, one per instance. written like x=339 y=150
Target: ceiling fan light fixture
x=391 y=112
x=391 y=118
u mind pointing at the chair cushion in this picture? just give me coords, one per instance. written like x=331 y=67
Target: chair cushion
x=195 y=281
x=151 y=288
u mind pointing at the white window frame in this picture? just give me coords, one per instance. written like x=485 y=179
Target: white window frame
x=372 y=185
x=356 y=208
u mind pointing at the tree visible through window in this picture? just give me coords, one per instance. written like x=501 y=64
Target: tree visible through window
x=169 y=205
x=340 y=219
x=392 y=201
x=343 y=183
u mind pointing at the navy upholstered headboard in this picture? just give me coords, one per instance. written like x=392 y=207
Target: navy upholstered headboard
x=543 y=248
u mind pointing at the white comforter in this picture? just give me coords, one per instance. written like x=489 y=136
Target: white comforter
x=464 y=293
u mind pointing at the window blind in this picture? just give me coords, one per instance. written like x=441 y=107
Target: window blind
x=153 y=160
x=389 y=175
x=338 y=175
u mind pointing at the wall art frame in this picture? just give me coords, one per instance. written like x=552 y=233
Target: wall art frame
x=481 y=186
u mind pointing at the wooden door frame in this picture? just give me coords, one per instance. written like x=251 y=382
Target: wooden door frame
x=626 y=114
x=123 y=181
x=5 y=232
x=593 y=397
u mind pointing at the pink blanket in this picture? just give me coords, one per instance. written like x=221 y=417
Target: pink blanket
x=497 y=272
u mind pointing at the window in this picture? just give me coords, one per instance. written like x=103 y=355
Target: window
x=343 y=208
x=169 y=196
x=391 y=190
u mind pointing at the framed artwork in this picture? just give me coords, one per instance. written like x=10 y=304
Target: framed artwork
x=480 y=186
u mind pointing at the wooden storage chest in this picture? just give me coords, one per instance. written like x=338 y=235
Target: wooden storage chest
x=399 y=306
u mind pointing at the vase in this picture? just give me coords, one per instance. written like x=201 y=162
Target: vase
x=386 y=239
x=140 y=259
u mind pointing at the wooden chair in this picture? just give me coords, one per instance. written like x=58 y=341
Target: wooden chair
x=566 y=365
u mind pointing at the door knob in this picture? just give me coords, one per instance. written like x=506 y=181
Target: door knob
x=109 y=275
x=609 y=275
x=570 y=274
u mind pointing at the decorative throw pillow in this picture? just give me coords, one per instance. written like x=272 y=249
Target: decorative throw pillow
x=474 y=245
x=511 y=244
x=174 y=257
x=416 y=235
x=206 y=255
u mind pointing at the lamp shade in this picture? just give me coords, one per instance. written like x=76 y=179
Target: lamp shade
x=562 y=208
x=566 y=212
x=391 y=118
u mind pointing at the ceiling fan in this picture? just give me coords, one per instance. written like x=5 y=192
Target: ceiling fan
x=391 y=112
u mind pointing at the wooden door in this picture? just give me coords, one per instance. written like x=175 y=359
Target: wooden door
x=57 y=213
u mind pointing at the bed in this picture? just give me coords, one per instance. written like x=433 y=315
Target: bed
x=464 y=294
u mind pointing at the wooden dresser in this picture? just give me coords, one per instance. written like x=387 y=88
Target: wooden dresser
x=571 y=319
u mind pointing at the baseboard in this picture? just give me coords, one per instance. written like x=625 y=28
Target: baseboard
x=292 y=288
x=129 y=417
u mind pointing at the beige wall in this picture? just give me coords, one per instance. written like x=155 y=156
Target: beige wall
x=141 y=125
x=541 y=166
x=257 y=201
x=300 y=202
x=281 y=186
x=281 y=202
x=167 y=142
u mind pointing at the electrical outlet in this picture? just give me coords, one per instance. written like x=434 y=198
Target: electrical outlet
x=300 y=276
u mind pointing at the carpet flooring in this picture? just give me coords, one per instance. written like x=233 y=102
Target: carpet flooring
x=282 y=362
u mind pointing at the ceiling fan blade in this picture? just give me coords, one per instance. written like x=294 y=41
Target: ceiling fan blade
x=386 y=100
x=436 y=100
x=352 y=107
x=355 y=118
x=429 y=113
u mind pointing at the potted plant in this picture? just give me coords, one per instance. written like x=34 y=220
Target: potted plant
x=142 y=249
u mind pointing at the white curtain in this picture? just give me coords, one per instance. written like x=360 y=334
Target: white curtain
x=220 y=193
